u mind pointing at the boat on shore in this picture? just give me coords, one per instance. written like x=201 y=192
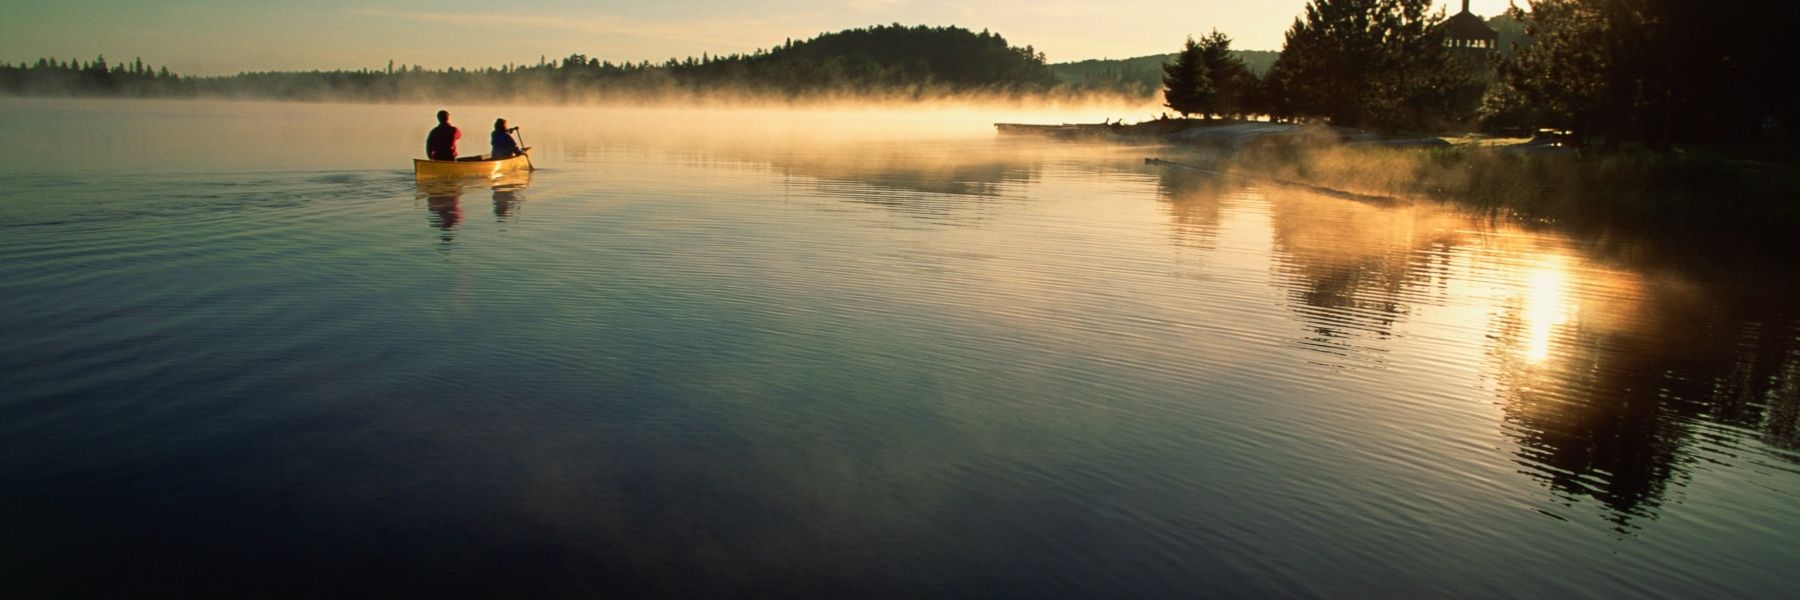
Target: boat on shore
x=475 y=166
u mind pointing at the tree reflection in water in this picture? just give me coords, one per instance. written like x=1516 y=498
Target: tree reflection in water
x=1195 y=202
x=1616 y=373
x=1353 y=270
x=1616 y=412
x=925 y=183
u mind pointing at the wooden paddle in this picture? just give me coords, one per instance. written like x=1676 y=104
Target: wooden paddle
x=524 y=150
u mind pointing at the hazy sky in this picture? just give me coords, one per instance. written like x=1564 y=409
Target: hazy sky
x=211 y=37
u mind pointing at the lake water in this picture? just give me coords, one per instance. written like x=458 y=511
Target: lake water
x=845 y=353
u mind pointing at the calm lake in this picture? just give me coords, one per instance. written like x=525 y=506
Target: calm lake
x=845 y=353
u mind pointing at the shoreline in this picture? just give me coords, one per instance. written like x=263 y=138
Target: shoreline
x=1744 y=194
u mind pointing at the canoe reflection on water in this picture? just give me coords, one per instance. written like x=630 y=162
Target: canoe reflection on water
x=443 y=198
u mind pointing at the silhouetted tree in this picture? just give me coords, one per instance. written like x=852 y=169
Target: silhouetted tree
x=1364 y=63
x=1272 y=92
x=1563 y=75
x=1140 y=76
x=1230 y=80
x=49 y=77
x=1187 y=87
x=1655 y=70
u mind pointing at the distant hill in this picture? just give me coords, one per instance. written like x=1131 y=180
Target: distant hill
x=883 y=60
x=883 y=56
x=879 y=60
x=1141 y=75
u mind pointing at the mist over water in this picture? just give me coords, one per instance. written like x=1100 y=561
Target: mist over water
x=72 y=135
x=836 y=352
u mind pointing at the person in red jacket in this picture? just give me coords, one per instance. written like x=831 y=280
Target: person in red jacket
x=440 y=144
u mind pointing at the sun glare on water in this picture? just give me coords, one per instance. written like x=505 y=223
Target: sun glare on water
x=1547 y=306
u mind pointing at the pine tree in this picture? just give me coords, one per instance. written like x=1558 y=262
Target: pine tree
x=1363 y=63
x=1187 y=87
x=1229 y=77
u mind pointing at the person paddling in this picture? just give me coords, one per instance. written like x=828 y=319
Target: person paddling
x=502 y=140
x=440 y=144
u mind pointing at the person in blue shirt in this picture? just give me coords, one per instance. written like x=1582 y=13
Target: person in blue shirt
x=504 y=145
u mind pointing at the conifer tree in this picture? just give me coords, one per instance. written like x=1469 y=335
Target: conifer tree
x=1187 y=87
x=1363 y=63
x=1230 y=79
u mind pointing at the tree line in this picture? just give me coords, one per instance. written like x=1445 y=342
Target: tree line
x=879 y=60
x=1653 y=70
x=1139 y=77
x=1379 y=64
x=1656 y=71
x=96 y=77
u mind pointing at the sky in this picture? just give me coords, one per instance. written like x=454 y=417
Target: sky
x=222 y=37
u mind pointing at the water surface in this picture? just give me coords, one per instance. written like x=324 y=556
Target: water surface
x=854 y=352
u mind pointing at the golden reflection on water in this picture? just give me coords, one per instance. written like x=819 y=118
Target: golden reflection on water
x=1595 y=365
x=1086 y=320
x=1547 y=306
x=1605 y=365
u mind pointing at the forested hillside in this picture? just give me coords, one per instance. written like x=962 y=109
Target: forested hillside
x=1140 y=76
x=883 y=60
x=881 y=57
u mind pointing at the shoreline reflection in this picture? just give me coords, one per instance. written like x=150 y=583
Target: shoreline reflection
x=1610 y=371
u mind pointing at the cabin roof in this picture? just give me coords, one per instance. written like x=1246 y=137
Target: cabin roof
x=1466 y=26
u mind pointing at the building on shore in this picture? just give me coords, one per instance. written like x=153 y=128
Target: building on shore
x=1465 y=31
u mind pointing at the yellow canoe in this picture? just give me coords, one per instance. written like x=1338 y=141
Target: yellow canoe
x=455 y=169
